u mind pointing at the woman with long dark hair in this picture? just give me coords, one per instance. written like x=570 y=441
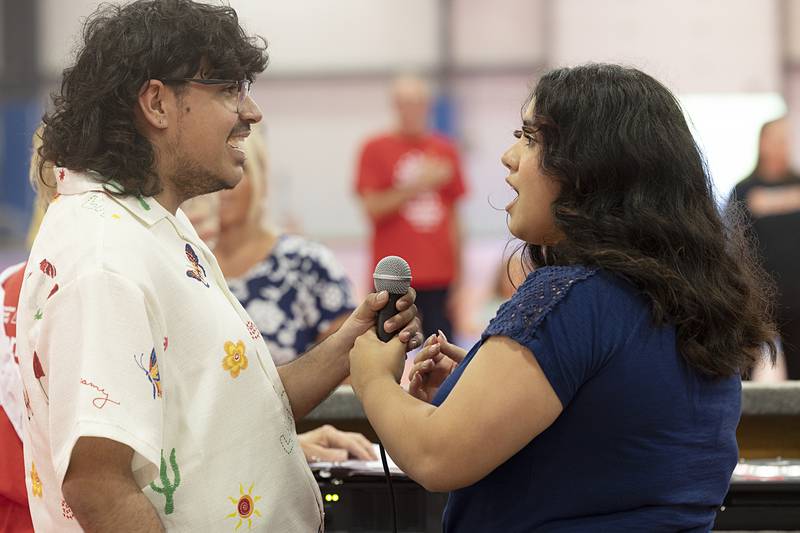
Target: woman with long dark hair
x=605 y=394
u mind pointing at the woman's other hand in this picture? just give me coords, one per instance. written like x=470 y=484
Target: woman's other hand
x=432 y=365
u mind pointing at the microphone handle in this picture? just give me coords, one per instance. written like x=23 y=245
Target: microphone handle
x=388 y=311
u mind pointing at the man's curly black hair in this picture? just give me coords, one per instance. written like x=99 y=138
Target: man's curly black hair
x=92 y=124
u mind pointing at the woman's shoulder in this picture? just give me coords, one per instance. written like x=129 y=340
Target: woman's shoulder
x=309 y=255
x=584 y=291
x=556 y=282
x=297 y=245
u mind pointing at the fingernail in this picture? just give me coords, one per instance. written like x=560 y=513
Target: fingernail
x=383 y=295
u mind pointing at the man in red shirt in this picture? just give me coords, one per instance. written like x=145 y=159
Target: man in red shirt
x=14 y=513
x=409 y=181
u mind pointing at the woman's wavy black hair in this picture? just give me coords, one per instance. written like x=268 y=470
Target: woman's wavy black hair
x=92 y=124
x=636 y=200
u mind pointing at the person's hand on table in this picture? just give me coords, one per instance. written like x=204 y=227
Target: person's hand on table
x=326 y=443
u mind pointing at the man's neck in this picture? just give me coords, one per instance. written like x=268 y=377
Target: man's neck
x=168 y=200
x=410 y=134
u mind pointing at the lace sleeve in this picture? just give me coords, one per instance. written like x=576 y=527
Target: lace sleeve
x=519 y=317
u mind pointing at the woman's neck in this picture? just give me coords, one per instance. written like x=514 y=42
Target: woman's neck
x=240 y=248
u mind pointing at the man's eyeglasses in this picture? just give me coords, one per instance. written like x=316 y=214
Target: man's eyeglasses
x=240 y=89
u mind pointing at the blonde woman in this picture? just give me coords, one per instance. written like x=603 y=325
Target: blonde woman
x=294 y=289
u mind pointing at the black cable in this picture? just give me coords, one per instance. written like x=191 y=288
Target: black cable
x=391 y=488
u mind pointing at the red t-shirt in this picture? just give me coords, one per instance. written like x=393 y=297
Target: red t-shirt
x=420 y=231
x=14 y=513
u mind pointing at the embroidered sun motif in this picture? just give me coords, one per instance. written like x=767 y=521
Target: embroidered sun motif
x=235 y=360
x=245 y=507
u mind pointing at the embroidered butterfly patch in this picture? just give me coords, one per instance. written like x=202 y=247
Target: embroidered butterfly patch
x=197 y=271
x=151 y=372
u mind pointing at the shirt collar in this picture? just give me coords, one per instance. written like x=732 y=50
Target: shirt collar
x=146 y=209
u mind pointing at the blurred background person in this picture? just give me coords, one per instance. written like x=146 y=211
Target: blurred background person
x=770 y=198
x=409 y=181
x=294 y=289
x=14 y=513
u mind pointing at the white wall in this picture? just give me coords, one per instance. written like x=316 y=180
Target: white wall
x=344 y=35
x=324 y=91
x=694 y=46
x=507 y=33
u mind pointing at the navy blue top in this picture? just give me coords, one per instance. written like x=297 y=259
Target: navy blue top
x=294 y=295
x=644 y=443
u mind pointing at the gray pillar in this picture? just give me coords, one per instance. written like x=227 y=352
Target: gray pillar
x=19 y=46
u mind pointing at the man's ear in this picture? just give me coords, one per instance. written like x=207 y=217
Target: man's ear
x=153 y=104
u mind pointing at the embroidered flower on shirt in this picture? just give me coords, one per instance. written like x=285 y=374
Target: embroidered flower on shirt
x=245 y=506
x=235 y=360
x=196 y=271
x=47 y=268
x=152 y=373
x=61 y=174
x=36 y=482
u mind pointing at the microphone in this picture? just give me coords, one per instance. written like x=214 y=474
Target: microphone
x=392 y=274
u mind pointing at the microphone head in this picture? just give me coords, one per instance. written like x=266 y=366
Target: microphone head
x=392 y=274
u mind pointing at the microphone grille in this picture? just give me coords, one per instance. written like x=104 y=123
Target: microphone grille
x=392 y=274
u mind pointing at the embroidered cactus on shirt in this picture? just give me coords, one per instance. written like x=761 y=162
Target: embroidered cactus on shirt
x=167 y=488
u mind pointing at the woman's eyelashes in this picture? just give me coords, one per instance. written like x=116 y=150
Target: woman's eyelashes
x=529 y=136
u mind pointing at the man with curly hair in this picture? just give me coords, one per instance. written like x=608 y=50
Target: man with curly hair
x=151 y=400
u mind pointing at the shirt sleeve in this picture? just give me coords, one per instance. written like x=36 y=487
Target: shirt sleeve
x=554 y=314
x=101 y=375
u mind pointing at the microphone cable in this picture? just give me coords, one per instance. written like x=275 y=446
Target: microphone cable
x=391 y=487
